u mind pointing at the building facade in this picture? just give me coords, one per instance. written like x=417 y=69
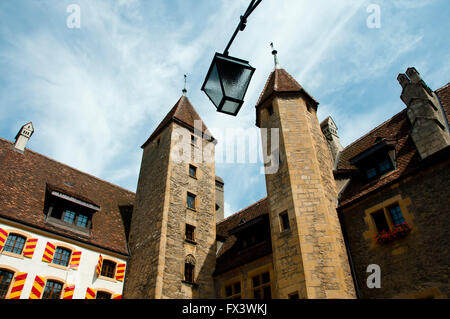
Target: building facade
x=331 y=213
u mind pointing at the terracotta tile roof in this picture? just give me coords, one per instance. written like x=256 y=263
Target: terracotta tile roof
x=229 y=256
x=182 y=112
x=395 y=129
x=24 y=179
x=280 y=81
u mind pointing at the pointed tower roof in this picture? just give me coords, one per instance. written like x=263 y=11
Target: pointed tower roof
x=184 y=114
x=280 y=81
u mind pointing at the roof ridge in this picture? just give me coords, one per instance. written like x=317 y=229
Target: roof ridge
x=242 y=210
x=70 y=167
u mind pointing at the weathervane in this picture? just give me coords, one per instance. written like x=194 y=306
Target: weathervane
x=184 y=89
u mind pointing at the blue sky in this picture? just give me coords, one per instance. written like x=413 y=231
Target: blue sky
x=96 y=93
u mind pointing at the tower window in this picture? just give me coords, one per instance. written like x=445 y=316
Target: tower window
x=284 y=218
x=5 y=281
x=193 y=140
x=192 y=171
x=52 y=290
x=190 y=232
x=190 y=201
x=270 y=110
x=108 y=268
x=14 y=244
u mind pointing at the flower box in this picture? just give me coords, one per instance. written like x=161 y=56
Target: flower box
x=398 y=231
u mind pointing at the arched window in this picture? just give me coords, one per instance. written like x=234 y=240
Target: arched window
x=52 y=290
x=62 y=256
x=6 y=277
x=108 y=268
x=189 y=268
x=14 y=244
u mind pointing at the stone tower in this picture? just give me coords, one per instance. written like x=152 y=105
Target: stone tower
x=172 y=235
x=309 y=253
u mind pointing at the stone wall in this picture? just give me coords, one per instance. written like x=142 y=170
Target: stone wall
x=418 y=264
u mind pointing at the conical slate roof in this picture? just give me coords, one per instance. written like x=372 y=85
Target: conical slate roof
x=183 y=113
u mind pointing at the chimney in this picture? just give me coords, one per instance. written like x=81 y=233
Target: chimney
x=429 y=130
x=23 y=136
x=220 y=203
x=329 y=129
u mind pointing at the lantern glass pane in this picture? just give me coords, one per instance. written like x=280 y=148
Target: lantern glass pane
x=213 y=88
x=235 y=78
x=230 y=107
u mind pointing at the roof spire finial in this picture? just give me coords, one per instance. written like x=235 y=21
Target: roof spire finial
x=184 y=89
x=275 y=57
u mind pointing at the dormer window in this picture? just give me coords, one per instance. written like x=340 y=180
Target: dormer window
x=69 y=210
x=377 y=160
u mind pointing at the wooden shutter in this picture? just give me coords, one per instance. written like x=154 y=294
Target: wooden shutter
x=75 y=261
x=30 y=247
x=48 y=253
x=68 y=292
x=120 y=272
x=3 y=237
x=38 y=288
x=17 y=287
x=99 y=265
x=90 y=293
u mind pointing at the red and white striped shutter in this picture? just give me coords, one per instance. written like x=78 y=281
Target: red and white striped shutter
x=75 y=261
x=17 y=287
x=120 y=272
x=68 y=292
x=98 y=270
x=38 y=288
x=30 y=246
x=3 y=237
x=48 y=253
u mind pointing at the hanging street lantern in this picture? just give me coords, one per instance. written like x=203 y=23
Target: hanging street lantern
x=226 y=83
x=228 y=78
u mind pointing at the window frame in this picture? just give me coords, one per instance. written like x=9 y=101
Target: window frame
x=194 y=201
x=261 y=286
x=192 y=231
x=232 y=285
x=53 y=280
x=284 y=218
x=62 y=247
x=8 y=290
x=19 y=235
x=194 y=170
x=107 y=260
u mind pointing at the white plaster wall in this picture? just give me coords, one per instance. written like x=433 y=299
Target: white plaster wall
x=82 y=278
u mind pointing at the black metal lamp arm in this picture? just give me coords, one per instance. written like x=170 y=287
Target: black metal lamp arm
x=242 y=23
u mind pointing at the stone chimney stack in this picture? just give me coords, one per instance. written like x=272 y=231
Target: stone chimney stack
x=329 y=129
x=23 y=136
x=429 y=128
